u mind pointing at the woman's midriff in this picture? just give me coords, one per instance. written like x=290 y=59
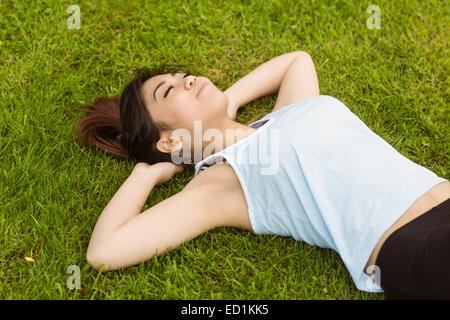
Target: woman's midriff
x=435 y=196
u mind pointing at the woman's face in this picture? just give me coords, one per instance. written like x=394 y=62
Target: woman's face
x=176 y=100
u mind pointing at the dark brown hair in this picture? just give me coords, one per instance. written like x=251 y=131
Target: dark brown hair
x=123 y=127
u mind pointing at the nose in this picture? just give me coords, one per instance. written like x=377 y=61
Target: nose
x=190 y=81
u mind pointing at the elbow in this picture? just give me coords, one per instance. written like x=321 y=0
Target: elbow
x=303 y=54
x=94 y=260
x=98 y=258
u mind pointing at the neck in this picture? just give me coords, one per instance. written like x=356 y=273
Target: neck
x=223 y=134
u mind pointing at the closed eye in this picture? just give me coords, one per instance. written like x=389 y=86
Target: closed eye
x=167 y=91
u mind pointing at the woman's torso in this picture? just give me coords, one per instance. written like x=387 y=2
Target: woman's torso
x=336 y=184
x=227 y=184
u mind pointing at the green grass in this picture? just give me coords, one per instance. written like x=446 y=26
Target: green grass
x=53 y=188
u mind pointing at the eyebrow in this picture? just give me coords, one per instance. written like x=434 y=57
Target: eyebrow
x=160 y=84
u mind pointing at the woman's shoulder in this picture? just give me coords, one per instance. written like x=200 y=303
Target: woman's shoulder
x=217 y=176
x=221 y=187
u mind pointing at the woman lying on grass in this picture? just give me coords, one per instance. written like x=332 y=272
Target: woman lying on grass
x=325 y=179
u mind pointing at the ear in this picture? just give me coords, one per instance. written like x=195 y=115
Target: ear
x=169 y=145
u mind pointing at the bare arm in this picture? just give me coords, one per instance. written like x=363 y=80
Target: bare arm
x=268 y=78
x=299 y=82
x=123 y=236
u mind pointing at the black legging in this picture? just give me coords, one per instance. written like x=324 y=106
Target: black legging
x=414 y=261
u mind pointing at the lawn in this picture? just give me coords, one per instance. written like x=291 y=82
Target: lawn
x=53 y=188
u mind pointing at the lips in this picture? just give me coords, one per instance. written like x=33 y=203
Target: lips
x=201 y=88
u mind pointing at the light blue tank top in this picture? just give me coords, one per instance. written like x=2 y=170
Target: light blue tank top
x=314 y=171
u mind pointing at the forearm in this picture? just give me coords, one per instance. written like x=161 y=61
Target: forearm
x=264 y=80
x=126 y=203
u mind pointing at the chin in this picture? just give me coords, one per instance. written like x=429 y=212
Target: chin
x=215 y=104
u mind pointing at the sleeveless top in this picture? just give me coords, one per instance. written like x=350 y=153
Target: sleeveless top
x=315 y=172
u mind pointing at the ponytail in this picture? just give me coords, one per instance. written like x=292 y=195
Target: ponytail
x=101 y=126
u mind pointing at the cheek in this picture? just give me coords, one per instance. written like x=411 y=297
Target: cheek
x=182 y=113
